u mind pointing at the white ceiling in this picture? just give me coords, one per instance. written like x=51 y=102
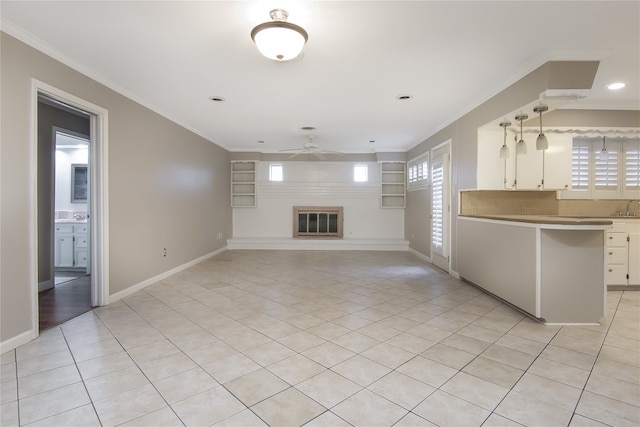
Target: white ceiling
x=450 y=56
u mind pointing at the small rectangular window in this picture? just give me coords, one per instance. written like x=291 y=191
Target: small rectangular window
x=418 y=172
x=275 y=172
x=360 y=173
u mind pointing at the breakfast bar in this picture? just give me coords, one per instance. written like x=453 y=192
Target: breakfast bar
x=552 y=268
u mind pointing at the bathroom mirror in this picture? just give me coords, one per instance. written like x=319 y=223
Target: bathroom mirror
x=79 y=175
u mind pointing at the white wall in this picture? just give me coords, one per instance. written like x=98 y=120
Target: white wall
x=318 y=184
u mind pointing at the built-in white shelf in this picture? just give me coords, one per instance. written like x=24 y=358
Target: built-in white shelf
x=392 y=184
x=243 y=184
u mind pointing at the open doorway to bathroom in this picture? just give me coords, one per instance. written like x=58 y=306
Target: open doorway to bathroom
x=64 y=214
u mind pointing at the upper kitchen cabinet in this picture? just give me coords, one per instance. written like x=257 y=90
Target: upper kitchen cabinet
x=524 y=169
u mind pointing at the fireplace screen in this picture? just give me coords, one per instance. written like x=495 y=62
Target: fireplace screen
x=317 y=221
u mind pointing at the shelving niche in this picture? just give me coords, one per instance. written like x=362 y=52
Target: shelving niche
x=243 y=184
x=392 y=184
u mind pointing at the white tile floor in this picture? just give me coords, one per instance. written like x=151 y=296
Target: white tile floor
x=288 y=338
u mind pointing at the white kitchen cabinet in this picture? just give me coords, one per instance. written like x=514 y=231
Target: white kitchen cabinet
x=532 y=170
x=623 y=253
x=71 y=246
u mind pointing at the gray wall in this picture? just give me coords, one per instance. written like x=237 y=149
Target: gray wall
x=463 y=135
x=167 y=186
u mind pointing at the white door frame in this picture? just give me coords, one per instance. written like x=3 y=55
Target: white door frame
x=447 y=214
x=99 y=202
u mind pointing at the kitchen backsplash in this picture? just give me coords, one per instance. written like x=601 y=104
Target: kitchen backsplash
x=534 y=203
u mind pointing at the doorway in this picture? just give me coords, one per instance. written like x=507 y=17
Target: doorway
x=70 y=262
x=440 y=205
x=64 y=283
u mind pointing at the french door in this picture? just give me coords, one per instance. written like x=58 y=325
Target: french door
x=440 y=205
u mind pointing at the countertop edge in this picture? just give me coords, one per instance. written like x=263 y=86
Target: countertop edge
x=542 y=219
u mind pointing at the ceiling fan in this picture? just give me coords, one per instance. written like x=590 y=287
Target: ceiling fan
x=310 y=148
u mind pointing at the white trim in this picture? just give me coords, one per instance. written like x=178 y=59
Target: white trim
x=318 y=244
x=15 y=342
x=99 y=190
x=420 y=255
x=139 y=286
x=43 y=286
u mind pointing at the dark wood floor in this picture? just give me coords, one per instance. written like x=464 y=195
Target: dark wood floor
x=64 y=302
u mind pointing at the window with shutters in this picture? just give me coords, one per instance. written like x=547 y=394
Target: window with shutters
x=418 y=173
x=632 y=166
x=437 y=210
x=606 y=169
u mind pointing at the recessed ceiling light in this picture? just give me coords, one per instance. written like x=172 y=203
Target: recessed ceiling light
x=216 y=98
x=308 y=128
x=616 y=85
x=260 y=141
x=403 y=97
x=371 y=141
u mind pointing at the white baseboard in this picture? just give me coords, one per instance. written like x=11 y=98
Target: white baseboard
x=138 y=286
x=319 y=244
x=16 y=341
x=43 y=286
x=420 y=255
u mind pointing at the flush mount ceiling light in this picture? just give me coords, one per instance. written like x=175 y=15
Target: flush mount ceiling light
x=279 y=40
x=541 y=141
x=521 y=146
x=616 y=85
x=504 y=150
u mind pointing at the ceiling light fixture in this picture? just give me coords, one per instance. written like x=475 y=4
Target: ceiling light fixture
x=616 y=85
x=604 y=154
x=521 y=146
x=279 y=40
x=541 y=141
x=504 y=150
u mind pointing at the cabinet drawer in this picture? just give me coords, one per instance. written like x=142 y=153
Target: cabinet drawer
x=616 y=239
x=64 y=228
x=81 y=242
x=616 y=274
x=617 y=227
x=617 y=255
x=81 y=228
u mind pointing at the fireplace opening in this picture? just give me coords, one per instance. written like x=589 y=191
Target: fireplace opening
x=317 y=221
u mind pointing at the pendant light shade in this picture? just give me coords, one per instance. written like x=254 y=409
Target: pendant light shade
x=541 y=141
x=279 y=40
x=504 y=150
x=521 y=146
x=604 y=154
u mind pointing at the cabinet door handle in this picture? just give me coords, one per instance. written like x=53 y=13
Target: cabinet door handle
x=610 y=237
x=610 y=253
x=610 y=271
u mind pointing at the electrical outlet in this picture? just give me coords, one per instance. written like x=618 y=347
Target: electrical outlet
x=473 y=210
x=164 y=252
x=523 y=211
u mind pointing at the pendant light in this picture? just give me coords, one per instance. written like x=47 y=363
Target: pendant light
x=604 y=154
x=504 y=150
x=521 y=146
x=541 y=141
x=278 y=39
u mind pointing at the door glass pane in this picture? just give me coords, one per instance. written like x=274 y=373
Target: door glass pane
x=302 y=223
x=333 y=223
x=322 y=226
x=313 y=223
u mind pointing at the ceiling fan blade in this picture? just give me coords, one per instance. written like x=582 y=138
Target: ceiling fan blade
x=295 y=154
x=319 y=155
x=291 y=149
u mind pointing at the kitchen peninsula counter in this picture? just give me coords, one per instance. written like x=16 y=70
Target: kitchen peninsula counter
x=550 y=267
